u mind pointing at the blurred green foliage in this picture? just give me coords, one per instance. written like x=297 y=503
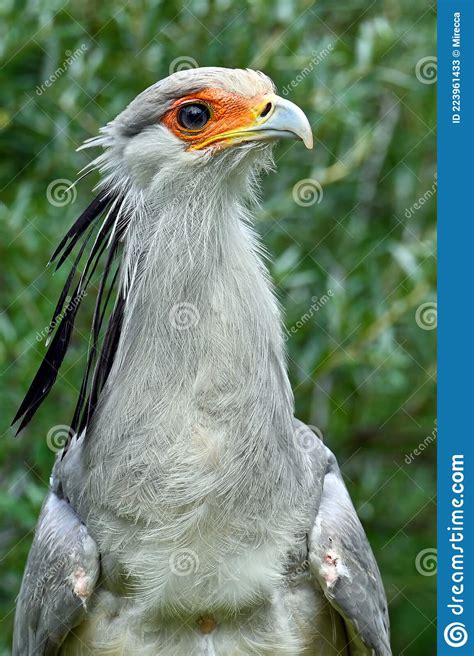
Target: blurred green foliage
x=361 y=366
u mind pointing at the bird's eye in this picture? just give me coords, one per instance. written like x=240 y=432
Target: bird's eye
x=193 y=117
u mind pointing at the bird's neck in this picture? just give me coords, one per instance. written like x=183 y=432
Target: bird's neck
x=201 y=320
x=198 y=400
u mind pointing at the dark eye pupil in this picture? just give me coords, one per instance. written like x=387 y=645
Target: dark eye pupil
x=193 y=117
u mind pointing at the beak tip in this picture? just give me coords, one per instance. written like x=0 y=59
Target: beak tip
x=292 y=119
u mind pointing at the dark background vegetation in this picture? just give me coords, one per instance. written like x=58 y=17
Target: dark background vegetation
x=362 y=368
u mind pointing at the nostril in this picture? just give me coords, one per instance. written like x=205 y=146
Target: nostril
x=266 y=110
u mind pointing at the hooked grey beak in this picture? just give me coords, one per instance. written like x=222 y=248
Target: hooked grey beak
x=284 y=120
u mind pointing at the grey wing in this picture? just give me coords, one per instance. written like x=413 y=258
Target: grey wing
x=342 y=561
x=60 y=575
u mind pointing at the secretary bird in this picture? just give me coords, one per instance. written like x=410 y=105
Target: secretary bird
x=189 y=512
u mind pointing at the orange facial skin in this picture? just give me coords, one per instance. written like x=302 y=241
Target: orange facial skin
x=229 y=113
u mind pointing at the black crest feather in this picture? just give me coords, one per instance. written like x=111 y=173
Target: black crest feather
x=107 y=236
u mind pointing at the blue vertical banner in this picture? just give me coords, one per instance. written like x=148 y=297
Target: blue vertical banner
x=456 y=328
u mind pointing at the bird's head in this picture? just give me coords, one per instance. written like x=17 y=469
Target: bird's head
x=199 y=116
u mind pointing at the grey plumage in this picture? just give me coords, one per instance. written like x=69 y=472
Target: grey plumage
x=61 y=573
x=217 y=532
